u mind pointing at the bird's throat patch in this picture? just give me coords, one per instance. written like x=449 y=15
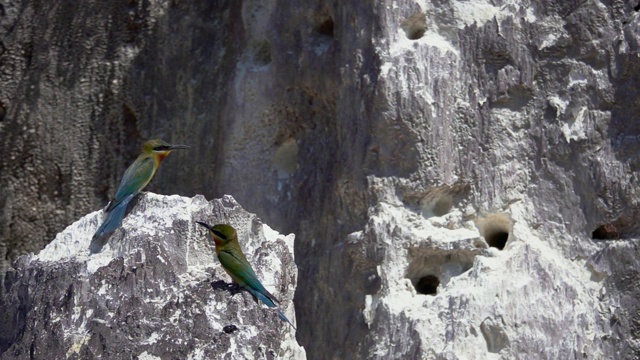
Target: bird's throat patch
x=161 y=155
x=217 y=241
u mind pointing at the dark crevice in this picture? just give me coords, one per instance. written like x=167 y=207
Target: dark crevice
x=232 y=288
x=131 y=132
x=230 y=329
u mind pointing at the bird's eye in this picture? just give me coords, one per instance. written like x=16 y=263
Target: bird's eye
x=161 y=148
x=219 y=234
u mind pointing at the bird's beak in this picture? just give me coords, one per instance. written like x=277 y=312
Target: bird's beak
x=176 y=147
x=203 y=224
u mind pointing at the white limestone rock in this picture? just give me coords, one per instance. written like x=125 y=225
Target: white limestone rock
x=524 y=301
x=156 y=291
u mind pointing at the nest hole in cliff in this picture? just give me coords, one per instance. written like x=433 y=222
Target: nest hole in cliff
x=415 y=26
x=441 y=205
x=435 y=201
x=3 y=112
x=427 y=285
x=606 y=232
x=495 y=229
x=626 y=226
x=637 y=7
x=324 y=25
x=432 y=267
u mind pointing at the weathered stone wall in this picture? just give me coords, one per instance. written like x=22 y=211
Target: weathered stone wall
x=376 y=132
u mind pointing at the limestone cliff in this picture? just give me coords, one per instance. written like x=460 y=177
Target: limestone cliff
x=461 y=175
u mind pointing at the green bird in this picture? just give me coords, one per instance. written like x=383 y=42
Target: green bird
x=236 y=265
x=134 y=180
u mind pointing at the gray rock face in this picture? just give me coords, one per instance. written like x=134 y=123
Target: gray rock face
x=83 y=86
x=404 y=143
x=155 y=292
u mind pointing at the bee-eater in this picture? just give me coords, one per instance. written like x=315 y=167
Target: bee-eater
x=134 y=180
x=236 y=265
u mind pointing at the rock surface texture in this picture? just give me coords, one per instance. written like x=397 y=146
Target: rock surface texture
x=461 y=175
x=155 y=292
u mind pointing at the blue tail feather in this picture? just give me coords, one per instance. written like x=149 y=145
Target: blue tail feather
x=263 y=298
x=270 y=304
x=110 y=224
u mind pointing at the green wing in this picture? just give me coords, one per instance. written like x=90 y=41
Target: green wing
x=241 y=271
x=134 y=179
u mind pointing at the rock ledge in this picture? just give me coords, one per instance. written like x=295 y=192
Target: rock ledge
x=156 y=291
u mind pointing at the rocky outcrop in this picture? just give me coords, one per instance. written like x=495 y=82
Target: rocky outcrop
x=461 y=176
x=156 y=291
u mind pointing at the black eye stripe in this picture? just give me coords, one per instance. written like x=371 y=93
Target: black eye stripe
x=219 y=234
x=161 y=148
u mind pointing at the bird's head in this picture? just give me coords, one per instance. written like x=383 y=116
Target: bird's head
x=160 y=148
x=222 y=233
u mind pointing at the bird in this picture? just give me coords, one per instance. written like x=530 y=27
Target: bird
x=137 y=176
x=236 y=265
